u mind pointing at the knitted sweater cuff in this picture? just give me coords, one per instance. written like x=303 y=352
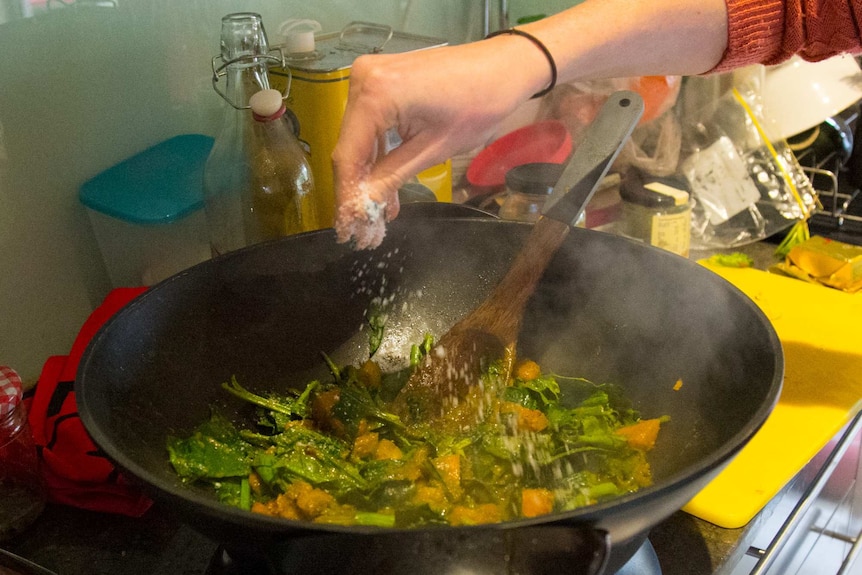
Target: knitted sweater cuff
x=755 y=31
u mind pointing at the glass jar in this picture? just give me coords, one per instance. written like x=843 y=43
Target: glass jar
x=528 y=187
x=22 y=491
x=657 y=211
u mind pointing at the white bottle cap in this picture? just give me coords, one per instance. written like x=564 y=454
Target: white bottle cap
x=298 y=35
x=298 y=42
x=266 y=102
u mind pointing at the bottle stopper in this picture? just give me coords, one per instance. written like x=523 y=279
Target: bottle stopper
x=266 y=104
x=298 y=35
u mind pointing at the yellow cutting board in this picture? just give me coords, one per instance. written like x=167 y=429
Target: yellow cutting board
x=820 y=329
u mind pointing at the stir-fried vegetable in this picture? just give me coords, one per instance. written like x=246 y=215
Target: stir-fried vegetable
x=335 y=453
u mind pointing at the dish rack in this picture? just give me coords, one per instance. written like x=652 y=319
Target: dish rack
x=839 y=210
x=840 y=207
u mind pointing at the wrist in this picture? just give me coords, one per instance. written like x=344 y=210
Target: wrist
x=522 y=64
x=540 y=46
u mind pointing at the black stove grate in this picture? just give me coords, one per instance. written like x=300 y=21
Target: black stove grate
x=225 y=562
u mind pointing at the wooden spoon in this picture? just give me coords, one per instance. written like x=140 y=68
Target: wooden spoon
x=457 y=360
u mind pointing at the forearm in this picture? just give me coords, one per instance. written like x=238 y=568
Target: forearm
x=622 y=38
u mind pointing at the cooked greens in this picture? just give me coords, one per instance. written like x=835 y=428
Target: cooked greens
x=335 y=452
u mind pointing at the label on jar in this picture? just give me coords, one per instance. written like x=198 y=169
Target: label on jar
x=672 y=232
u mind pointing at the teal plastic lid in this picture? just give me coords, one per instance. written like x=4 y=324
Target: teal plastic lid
x=159 y=185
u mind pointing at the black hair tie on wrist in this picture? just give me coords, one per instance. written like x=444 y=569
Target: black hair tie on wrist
x=541 y=47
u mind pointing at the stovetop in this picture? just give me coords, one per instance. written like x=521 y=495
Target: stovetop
x=540 y=554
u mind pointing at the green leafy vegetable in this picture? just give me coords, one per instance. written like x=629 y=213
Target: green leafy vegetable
x=334 y=452
x=376 y=324
x=734 y=260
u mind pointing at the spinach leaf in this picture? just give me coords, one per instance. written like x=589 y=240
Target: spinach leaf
x=214 y=450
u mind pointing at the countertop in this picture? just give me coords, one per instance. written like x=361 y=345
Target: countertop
x=70 y=541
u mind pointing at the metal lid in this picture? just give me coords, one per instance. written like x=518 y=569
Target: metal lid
x=338 y=50
x=537 y=178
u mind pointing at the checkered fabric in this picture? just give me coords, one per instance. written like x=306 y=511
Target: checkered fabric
x=10 y=390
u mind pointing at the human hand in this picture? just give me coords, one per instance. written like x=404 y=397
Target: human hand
x=441 y=102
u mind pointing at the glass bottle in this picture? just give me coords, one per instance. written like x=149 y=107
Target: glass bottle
x=22 y=491
x=245 y=193
x=281 y=200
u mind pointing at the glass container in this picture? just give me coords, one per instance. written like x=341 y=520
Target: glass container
x=658 y=212
x=22 y=491
x=257 y=185
x=528 y=187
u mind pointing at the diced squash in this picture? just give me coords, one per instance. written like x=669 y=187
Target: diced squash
x=370 y=374
x=527 y=419
x=412 y=468
x=386 y=449
x=314 y=502
x=535 y=502
x=285 y=506
x=321 y=411
x=531 y=420
x=449 y=469
x=641 y=435
x=365 y=445
x=434 y=496
x=267 y=508
x=527 y=369
x=481 y=514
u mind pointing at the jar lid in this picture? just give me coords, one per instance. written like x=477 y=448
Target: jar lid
x=537 y=178
x=654 y=192
x=10 y=390
x=159 y=185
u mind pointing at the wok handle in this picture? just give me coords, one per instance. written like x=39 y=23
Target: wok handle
x=593 y=157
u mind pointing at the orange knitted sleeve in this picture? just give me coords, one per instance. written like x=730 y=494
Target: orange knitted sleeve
x=770 y=31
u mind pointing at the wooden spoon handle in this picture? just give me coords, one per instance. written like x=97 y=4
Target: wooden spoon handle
x=500 y=313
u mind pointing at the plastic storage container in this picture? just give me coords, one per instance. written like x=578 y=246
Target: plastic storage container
x=147 y=211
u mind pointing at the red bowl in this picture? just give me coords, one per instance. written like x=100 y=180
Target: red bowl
x=547 y=141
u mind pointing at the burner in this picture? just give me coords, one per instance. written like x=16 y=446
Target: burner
x=529 y=551
x=643 y=562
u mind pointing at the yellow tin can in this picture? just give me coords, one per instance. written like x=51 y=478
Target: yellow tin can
x=317 y=83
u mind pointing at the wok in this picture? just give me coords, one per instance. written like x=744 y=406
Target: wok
x=607 y=309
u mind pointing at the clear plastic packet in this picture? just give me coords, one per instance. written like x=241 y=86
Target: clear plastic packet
x=745 y=187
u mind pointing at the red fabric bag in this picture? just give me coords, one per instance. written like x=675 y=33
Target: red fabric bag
x=76 y=472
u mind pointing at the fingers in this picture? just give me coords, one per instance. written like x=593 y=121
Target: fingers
x=442 y=102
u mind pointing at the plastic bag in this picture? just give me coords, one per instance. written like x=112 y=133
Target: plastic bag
x=745 y=188
x=654 y=145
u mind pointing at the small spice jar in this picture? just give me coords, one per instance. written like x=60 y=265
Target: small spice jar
x=657 y=211
x=22 y=491
x=528 y=187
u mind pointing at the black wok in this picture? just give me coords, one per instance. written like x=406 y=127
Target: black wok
x=607 y=309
